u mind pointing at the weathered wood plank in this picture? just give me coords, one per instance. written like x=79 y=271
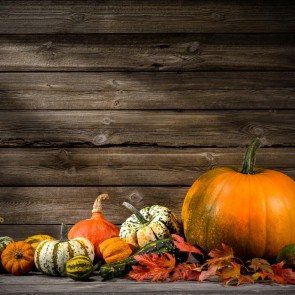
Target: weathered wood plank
x=161 y=128
x=126 y=166
x=157 y=52
x=21 y=231
x=36 y=283
x=54 y=205
x=188 y=90
x=146 y=17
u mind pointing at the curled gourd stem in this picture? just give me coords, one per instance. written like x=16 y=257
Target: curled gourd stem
x=250 y=157
x=97 y=206
x=138 y=215
x=63 y=233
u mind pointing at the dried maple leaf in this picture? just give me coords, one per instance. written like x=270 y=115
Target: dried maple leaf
x=224 y=265
x=185 y=271
x=263 y=270
x=220 y=258
x=260 y=264
x=282 y=275
x=233 y=273
x=225 y=254
x=183 y=246
x=153 y=267
x=206 y=274
x=161 y=268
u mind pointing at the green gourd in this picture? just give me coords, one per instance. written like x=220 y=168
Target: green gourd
x=79 y=268
x=121 y=268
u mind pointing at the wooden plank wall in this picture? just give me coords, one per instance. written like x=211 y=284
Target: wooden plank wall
x=137 y=98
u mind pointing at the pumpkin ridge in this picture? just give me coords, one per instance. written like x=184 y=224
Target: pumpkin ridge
x=70 y=250
x=55 y=264
x=287 y=206
x=83 y=246
x=37 y=254
x=227 y=177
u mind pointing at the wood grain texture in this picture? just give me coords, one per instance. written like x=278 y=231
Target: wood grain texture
x=127 y=166
x=56 y=205
x=21 y=231
x=146 y=16
x=146 y=91
x=156 y=52
x=37 y=283
x=161 y=128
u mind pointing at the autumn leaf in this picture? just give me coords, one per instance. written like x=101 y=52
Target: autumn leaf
x=282 y=275
x=183 y=246
x=153 y=267
x=233 y=273
x=220 y=258
x=161 y=268
x=263 y=270
x=225 y=254
x=186 y=271
x=260 y=264
x=206 y=274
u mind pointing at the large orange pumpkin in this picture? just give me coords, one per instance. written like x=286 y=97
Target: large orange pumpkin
x=252 y=210
x=97 y=228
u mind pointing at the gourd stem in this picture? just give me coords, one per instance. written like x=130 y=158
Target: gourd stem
x=18 y=255
x=97 y=206
x=63 y=233
x=136 y=212
x=250 y=157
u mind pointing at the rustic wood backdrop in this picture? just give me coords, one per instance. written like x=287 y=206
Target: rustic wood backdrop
x=137 y=98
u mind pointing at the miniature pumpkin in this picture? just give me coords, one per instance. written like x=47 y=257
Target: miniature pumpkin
x=79 y=268
x=97 y=228
x=51 y=256
x=148 y=224
x=250 y=209
x=18 y=258
x=37 y=239
x=115 y=249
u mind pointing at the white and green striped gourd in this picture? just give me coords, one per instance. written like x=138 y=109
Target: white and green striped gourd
x=149 y=224
x=51 y=256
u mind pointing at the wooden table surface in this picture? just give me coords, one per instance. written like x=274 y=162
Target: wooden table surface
x=37 y=283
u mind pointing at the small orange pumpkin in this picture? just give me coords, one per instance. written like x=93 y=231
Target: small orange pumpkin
x=249 y=209
x=18 y=258
x=97 y=228
x=115 y=249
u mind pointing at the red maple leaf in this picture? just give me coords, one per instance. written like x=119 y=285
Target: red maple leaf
x=282 y=275
x=183 y=246
x=161 y=268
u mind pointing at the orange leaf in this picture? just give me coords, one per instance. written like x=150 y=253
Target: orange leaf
x=260 y=264
x=162 y=267
x=183 y=246
x=153 y=267
x=282 y=275
x=226 y=253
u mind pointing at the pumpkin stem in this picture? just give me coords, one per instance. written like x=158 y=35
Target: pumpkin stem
x=97 y=206
x=135 y=211
x=63 y=233
x=18 y=255
x=250 y=157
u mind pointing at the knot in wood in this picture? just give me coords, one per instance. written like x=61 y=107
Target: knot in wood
x=135 y=197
